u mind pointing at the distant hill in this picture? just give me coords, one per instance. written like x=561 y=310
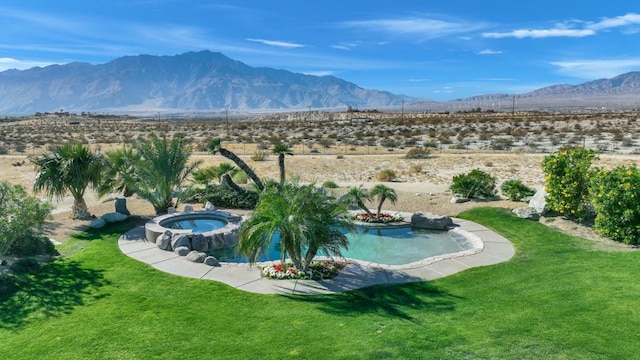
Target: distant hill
x=194 y=81
x=620 y=92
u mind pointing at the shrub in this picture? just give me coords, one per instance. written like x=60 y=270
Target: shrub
x=615 y=196
x=386 y=175
x=515 y=190
x=329 y=185
x=567 y=182
x=28 y=265
x=240 y=177
x=418 y=153
x=260 y=156
x=476 y=183
x=225 y=197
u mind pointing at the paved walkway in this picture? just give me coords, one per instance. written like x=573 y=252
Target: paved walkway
x=496 y=249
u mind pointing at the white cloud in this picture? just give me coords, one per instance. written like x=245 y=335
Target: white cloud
x=595 y=69
x=489 y=52
x=618 y=21
x=541 y=33
x=282 y=44
x=424 y=28
x=7 y=63
x=341 y=47
x=319 y=73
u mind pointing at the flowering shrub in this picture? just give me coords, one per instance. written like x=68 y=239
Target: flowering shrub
x=317 y=270
x=383 y=218
x=567 y=182
x=615 y=195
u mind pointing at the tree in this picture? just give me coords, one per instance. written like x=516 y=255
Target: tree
x=70 y=168
x=21 y=221
x=305 y=221
x=356 y=196
x=282 y=150
x=119 y=169
x=215 y=146
x=382 y=193
x=163 y=165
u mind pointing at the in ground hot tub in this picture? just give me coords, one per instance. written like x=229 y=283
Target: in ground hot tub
x=207 y=222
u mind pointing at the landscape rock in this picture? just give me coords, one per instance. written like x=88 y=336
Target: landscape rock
x=114 y=217
x=182 y=250
x=216 y=242
x=171 y=210
x=188 y=208
x=230 y=238
x=196 y=256
x=199 y=242
x=527 y=213
x=458 y=199
x=209 y=206
x=212 y=261
x=539 y=201
x=164 y=240
x=98 y=223
x=121 y=206
x=180 y=240
x=427 y=220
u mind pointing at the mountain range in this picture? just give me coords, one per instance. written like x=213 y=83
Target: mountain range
x=208 y=82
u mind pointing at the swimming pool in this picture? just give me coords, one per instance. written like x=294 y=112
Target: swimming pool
x=386 y=245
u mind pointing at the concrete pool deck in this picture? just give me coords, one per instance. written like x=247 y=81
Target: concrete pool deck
x=355 y=275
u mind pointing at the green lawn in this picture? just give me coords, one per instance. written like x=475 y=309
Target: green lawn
x=557 y=298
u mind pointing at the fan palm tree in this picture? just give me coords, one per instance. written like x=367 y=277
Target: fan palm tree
x=305 y=221
x=162 y=167
x=215 y=146
x=356 y=196
x=118 y=171
x=282 y=150
x=382 y=193
x=70 y=168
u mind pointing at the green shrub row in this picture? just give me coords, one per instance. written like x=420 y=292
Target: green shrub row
x=221 y=195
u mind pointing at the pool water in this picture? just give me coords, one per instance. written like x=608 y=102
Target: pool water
x=391 y=246
x=196 y=224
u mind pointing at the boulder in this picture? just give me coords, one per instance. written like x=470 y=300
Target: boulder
x=180 y=240
x=114 y=217
x=212 y=261
x=121 y=206
x=209 y=206
x=196 y=256
x=200 y=243
x=216 y=242
x=457 y=199
x=98 y=223
x=427 y=220
x=182 y=250
x=230 y=238
x=539 y=201
x=164 y=240
x=188 y=208
x=171 y=210
x=527 y=213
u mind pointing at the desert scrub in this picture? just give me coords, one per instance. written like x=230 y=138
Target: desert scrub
x=475 y=183
x=515 y=190
x=418 y=153
x=615 y=196
x=386 y=175
x=260 y=156
x=567 y=175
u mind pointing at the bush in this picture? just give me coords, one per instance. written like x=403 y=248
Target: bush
x=225 y=197
x=567 y=182
x=515 y=190
x=418 y=153
x=476 y=183
x=615 y=196
x=260 y=156
x=329 y=185
x=240 y=177
x=386 y=175
x=26 y=265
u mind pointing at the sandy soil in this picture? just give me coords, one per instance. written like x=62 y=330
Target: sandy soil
x=421 y=185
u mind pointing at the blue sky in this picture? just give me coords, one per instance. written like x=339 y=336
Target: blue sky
x=438 y=50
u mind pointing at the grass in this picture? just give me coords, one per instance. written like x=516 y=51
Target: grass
x=558 y=298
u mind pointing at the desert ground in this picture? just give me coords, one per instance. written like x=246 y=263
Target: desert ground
x=343 y=152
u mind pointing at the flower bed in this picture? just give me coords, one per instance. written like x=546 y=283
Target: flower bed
x=383 y=218
x=318 y=270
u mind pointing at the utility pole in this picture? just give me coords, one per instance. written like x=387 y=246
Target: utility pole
x=513 y=105
x=402 y=110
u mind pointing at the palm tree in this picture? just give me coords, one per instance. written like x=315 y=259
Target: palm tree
x=70 y=168
x=282 y=150
x=118 y=171
x=162 y=167
x=356 y=196
x=382 y=193
x=305 y=221
x=205 y=175
x=215 y=146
